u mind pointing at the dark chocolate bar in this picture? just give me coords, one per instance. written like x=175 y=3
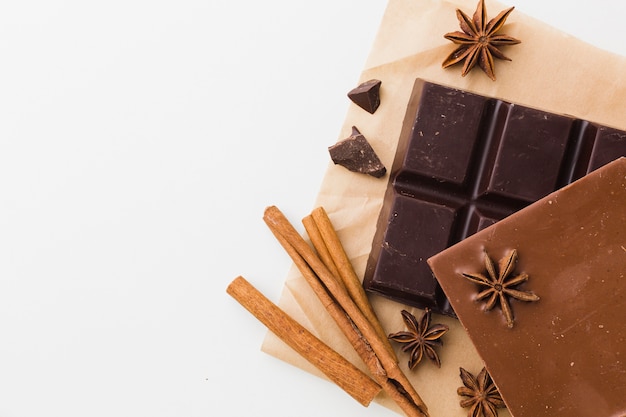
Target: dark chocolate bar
x=463 y=162
x=565 y=354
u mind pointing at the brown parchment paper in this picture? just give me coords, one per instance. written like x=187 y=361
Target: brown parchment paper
x=550 y=70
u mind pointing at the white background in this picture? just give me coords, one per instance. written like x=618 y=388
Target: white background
x=140 y=142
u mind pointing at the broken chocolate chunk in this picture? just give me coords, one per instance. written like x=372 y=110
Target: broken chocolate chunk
x=356 y=154
x=366 y=95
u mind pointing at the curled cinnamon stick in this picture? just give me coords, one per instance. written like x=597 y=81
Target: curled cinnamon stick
x=339 y=370
x=320 y=246
x=346 y=325
x=393 y=379
x=331 y=244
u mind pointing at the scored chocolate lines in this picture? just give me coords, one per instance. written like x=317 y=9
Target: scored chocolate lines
x=480 y=198
x=464 y=162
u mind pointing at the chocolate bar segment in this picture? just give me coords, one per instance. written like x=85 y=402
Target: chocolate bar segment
x=525 y=153
x=463 y=162
x=566 y=353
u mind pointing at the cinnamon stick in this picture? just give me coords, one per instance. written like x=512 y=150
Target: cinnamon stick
x=332 y=245
x=337 y=313
x=339 y=370
x=317 y=240
x=395 y=382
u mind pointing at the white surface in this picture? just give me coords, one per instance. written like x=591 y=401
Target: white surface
x=140 y=142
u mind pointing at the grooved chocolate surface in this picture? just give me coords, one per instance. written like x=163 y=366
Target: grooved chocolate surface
x=463 y=162
x=565 y=355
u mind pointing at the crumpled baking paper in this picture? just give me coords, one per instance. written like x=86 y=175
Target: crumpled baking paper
x=550 y=70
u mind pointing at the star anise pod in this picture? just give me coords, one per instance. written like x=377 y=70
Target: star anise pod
x=478 y=40
x=482 y=395
x=420 y=338
x=500 y=286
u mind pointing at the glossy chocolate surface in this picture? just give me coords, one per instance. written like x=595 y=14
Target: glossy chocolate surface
x=566 y=353
x=463 y=162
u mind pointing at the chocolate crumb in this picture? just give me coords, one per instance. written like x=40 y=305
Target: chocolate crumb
x=366 y=95
x=356 y=154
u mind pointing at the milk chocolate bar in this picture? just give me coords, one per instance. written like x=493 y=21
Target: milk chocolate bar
x=463 y=162
x=565 y=354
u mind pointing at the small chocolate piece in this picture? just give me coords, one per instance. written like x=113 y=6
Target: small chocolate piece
x=366 y=95
x=356 y=154
x=463 y=162
x=566 y=354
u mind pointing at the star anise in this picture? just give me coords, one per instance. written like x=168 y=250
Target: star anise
x=420 y=338
x=482 y=395
x=478 y=40
x=500 y=286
